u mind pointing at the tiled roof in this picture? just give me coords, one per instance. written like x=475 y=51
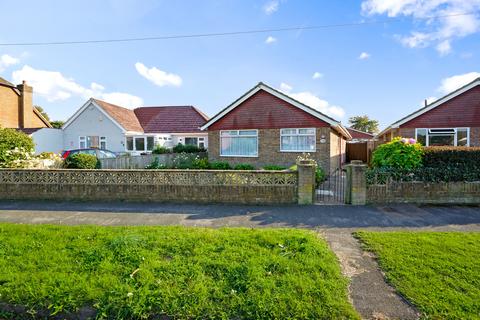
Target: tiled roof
x=28 y=130
x=357 y=134
x=170 y=119
x=125 y=117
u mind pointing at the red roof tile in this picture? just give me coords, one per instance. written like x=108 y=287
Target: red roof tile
x=170 y=119
x=125 y=117
x=357 y=134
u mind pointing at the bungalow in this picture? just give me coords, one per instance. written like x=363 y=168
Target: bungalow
x=453 y=120
x=267 y=127
x=98 y=124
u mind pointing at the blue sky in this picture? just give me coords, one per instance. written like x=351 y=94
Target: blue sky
x=384 y=70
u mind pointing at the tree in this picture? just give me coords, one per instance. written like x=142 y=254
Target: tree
x=42 y=112
x=57 y=124
x=364 y=123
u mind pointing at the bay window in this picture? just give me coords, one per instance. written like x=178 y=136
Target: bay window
x=298 y=140
x=239 y=143
x=443 y=136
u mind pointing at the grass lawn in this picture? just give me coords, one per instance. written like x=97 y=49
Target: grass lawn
x=177 y=272
x=439 y=272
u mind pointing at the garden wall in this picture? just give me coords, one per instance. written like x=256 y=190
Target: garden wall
x=204 y=186
x=424 y=193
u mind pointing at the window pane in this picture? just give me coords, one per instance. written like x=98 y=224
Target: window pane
x=191 y=141
x=289 y=131
x=103 y=144
x=462 y=138
x=247 y=132
x=140 y=144
x=306 y=131
x=239 y=146
x=130 y=143
x=441 y=140
x=298 y=143
x=229 y=133
x=82 y=144
x=150 y=143
x=422 y=136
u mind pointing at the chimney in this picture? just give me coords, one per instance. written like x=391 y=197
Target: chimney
x=25 y=105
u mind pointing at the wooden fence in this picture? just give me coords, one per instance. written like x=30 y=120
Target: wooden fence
x=140 y=162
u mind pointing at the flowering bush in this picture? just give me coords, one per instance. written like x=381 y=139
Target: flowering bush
x=400 y=153
x=13 y=145
x=20 y=158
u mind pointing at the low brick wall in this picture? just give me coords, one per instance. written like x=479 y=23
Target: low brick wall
x=425 y=193
x=194 y=186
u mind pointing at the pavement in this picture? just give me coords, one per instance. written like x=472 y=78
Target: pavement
x=372 y=297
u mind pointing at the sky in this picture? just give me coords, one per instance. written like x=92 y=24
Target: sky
x=391 y=57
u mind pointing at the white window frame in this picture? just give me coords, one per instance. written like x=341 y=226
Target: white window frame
x=455 y=139
x=300 y=135
x=80 y=140
x=100 y=140
x=239 y=156
x=145 y=143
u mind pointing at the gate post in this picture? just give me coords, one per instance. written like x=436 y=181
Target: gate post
x=356 y=191
x=306 y=181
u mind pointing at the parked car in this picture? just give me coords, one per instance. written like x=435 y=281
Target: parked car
x=99 y=153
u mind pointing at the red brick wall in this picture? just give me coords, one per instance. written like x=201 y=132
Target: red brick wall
x=265 y=111
x=461 y=111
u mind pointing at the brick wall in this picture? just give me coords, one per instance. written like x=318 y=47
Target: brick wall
x=193 y=186
x=269 y=149
x=425 y=193
x=9 y=112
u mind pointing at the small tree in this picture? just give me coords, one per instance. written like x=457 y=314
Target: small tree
x=364 y=123
x=10 y=140
x=57 y=124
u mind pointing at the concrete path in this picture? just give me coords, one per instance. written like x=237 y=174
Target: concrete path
x=371 y=296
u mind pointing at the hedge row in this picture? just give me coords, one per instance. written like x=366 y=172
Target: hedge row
x=423 y=174
x=451 y=157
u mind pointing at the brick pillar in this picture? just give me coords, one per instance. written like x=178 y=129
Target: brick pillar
x=356 y=192
x=306 y=181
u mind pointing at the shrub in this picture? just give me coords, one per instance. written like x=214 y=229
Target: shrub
x=399 y=153
x=422 y=174
x=319 y=175
x=11 y=139
x=179 y=148
x=156 y=165
x=183 y=161
x=273 y=167
x=244 y=166
x=220 y=165
x=441 y=157
x=161 y=150
x=200 y=163
x=82 y=161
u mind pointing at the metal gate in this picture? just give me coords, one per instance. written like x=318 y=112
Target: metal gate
x=332 y=190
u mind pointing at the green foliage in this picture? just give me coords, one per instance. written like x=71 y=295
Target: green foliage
x=243 y=166
x=11 y=139
x=437 y=271
x=171 y=272
x=320 y=175
x=399 y=153
x=364 y=123
x=184 y=160
x=422 y=174
x=450 y=157
x=57 y=124
x=156 y=165
x=179 y=148
x=274 y=167
x=82 y=161
x=220 y=165
x=161 y=150
x=200 y=163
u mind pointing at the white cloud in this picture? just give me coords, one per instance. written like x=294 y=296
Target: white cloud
x=313 y=101
x=7 y=61
x=453 y=83
x=270 y=40
x=317 y=75
x=364 y=56
x=439 y=32
x=271 y=6
x=157 y=76
x=54 y=86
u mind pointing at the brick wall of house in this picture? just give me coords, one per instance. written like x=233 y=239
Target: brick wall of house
x=9 y=112
x=269 y=149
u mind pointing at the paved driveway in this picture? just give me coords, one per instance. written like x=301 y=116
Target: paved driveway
x=317 y=217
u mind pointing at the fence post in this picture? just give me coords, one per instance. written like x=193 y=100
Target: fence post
x=356 y=191
x=306 y=181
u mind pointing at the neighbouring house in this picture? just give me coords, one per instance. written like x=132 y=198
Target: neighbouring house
x=98 y=124
x=267 y=127
x=17 y=112
x=360 y=136
x=453 y=120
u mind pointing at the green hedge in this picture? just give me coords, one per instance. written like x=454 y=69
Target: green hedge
x=82 y=161
x=179 y=148
x=441 y=157
x=423 y=174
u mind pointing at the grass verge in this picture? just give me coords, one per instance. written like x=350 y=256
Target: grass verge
x=171 y=272
x=439 y=272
